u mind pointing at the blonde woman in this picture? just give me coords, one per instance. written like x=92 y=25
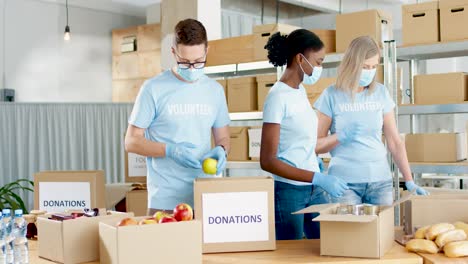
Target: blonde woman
x=356 y=110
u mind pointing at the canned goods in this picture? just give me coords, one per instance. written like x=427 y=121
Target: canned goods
x=355 y=209
x=370 y=209
x=342 y=210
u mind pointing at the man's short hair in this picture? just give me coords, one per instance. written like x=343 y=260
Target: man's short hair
x=190 y=32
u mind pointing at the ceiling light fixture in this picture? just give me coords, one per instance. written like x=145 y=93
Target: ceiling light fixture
x=67 y=35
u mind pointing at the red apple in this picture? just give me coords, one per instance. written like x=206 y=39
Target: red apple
x=167 y=219
x=158 y=215
x=183 y=212
x=127 y=222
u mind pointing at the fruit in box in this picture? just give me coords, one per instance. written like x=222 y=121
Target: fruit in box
x=127 y=222
x=167 y=219
x=183 y=212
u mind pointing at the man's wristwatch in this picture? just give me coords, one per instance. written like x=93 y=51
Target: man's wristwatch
x=225 y=152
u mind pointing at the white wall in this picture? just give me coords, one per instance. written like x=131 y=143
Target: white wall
x=42 y=67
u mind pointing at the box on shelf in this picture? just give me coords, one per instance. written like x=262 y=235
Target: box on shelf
x=435 y=208
x=231 y=50
x=237 y=213
x=445 y=88
x=135 y=168
x=58 y=191
x=239 y=144
x=443 y=147
x=374 y=23
x=72 y=241
x=223 y=83
x=421 y=23
x=137 y=202
x=453 y=14
x=314 y=91
x=242 y=94
x=164 y=243
x=361 y=236
x=261 y=35
x=255 y=140
x=264 y=84
x=328 y=38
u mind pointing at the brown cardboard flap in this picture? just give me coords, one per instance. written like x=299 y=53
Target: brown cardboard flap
x=272 y=28
x=405 y=197
x=421 y=8
x=452 y=3
x=265 y=78
x=316 y=208
x=345 y=218
x=236 y=131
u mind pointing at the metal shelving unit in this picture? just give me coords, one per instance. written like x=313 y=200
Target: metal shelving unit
x=414 y=55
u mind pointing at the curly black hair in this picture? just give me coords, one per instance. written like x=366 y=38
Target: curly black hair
x=283 y=48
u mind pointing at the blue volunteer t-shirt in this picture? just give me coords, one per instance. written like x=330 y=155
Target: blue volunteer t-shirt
x=298 y=127
x=173 y=111
x=365 y=159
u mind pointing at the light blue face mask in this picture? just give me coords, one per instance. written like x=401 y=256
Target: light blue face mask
x=190 y=74
x=314 y=77
x=367 y=76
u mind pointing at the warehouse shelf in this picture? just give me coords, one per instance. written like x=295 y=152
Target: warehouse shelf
x=433 y=109
x=449 y=168
x=433 y=51
x=243 y=116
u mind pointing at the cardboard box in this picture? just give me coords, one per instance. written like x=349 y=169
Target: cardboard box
x=444 y=147
x=435 y=208
x=239 y=144
x=58 y=191
x=420 y=23
x=362 y=236
x=445 y=88
x=374 y=23
x=242 y=94
x=135 y=168
x=137 y=202
x=264 y=84
x=231 y=50
x=255 y=141
x=237 y=213
x=166 y=243
x=261 y=35
x=223 y=83
x=72 y=241
x=328 y=38
x=453 y=14
x=314 y=91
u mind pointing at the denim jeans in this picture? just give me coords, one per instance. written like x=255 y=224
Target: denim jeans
x=378 y=193
x=290 y=198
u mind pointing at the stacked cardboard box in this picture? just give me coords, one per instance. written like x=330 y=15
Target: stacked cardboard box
x=242 y=94
x=264 y=84
x=261 y=35
x=446 y=88
x=453 y=17
x=421 y=23
x=444 y=147
x=239 y=144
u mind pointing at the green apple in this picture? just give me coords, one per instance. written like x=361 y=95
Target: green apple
x=209 y=166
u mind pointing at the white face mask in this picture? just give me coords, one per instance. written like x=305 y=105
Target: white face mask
x=367 y=76
x=314 y=76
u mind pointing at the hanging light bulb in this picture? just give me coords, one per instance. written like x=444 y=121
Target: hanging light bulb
x=67 y=35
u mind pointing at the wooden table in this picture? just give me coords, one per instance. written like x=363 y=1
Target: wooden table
x=293 y=251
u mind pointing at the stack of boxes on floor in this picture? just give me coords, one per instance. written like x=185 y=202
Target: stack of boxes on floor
x=429 y=23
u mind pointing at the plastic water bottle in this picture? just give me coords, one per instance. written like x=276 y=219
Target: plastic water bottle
x=2 y=241
x=20 y=246
x=7 y=221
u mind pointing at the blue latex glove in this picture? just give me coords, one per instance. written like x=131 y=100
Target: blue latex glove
x=320 y=164
x=331 y=184
x=181 y=153
x=411 y=186
x=218 y=154
x=351 y=132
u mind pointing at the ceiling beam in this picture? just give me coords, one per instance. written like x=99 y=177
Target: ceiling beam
x=327 y=6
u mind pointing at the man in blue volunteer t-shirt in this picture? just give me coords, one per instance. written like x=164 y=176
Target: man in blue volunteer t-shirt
x=173 y=118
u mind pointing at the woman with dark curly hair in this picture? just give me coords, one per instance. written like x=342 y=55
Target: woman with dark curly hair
x=289 y=135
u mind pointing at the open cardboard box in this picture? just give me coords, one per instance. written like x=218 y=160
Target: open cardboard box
x=362 y=236
x=179 y=242
x=72 y=241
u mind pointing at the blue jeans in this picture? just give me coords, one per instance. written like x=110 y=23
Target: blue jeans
x=378 y=193
x=290 y=198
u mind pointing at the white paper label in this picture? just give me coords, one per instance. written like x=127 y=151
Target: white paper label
x=62 y=196
x=255 y=139
x=136 y=165
x=235 y=217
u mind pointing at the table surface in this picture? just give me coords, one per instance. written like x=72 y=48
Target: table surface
x=291 y=251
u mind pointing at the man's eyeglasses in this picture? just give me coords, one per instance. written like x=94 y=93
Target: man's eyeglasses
x=195 y=65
